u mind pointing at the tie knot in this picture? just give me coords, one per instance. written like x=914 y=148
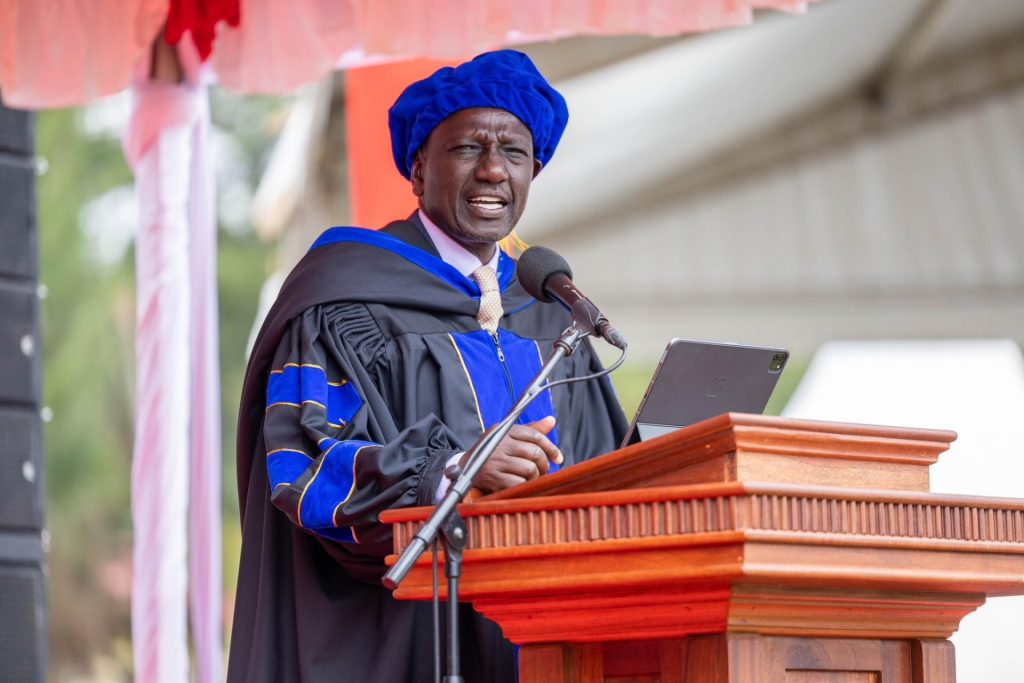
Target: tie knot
x=486 y=279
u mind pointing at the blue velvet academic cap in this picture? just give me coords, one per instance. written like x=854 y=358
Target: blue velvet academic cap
x=504 y=79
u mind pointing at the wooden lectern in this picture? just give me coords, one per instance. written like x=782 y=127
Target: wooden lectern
x=743 y=548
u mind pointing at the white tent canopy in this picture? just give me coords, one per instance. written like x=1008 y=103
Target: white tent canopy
x=858 y=173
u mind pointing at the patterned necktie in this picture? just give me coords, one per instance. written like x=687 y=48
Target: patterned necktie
x=490 y=298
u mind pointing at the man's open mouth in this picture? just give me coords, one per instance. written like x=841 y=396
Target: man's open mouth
x=487 y=202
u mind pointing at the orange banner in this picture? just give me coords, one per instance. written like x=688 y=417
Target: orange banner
x=379 y=192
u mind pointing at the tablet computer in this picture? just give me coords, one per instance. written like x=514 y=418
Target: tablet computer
x=696 y=380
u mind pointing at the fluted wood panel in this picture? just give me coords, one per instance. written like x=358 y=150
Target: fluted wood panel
x=957 y=521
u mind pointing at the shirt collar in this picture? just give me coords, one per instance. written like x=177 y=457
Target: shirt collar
x=452 y=252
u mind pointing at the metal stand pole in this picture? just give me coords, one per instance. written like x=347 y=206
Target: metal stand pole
x=455 y=537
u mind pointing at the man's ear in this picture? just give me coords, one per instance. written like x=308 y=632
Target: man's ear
x=416 y=173
x=537 y=165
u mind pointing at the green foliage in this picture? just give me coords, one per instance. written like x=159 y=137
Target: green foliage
x=630 y=382
x=791 y=376
x=242 y=269
x=86 y=324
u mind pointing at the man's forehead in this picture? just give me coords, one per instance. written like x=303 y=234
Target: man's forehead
x=482 y=121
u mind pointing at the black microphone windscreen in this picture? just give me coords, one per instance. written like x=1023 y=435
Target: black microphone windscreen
x=535 y=266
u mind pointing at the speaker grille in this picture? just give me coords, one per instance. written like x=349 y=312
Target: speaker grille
x=17 y=217
x=21 y=470
x=19 y=344
x=22 y=616
x=16 y=134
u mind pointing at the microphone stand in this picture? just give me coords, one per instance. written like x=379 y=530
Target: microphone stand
x=445 y=517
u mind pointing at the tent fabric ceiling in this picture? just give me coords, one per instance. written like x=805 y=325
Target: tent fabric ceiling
x=682 y=105
x=908 y=225
x=66 y=52
x=908 y=232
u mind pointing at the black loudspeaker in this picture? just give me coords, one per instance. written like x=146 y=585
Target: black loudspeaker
x=17 y=215
x=21 y=470
x=19 y=344
x=22 y=619
x=16 y=132
x=22 y=576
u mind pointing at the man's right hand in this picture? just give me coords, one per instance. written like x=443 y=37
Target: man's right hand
x=524 y=454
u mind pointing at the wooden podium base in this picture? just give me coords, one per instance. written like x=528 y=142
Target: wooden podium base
x=742 y=658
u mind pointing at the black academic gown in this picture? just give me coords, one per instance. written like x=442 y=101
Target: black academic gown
x=369 y=373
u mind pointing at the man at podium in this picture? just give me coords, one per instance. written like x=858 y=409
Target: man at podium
x=383 y=360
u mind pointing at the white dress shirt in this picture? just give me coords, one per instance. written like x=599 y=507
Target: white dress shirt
x=453 y=253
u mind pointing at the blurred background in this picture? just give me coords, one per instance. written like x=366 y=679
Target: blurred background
x=848 y=184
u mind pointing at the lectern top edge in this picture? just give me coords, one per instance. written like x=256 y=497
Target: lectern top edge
x=744 y=447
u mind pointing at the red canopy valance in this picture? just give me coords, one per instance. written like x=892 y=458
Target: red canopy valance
x=65 y=52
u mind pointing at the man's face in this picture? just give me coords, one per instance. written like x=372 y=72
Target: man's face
x=473 y=174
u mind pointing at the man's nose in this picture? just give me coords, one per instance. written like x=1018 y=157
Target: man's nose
x=491 y=168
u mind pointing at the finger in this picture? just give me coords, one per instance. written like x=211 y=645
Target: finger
x=527 y=434
x=518 y=452
x=525 y=462
x=524 y=458
x=491 y=480
x=544 y=425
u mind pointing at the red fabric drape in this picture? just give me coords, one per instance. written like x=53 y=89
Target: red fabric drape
x=200 y=17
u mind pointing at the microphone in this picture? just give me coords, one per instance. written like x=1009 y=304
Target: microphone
x=547 y=277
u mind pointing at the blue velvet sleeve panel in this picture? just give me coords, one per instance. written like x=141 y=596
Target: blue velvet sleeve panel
x=332 y=467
